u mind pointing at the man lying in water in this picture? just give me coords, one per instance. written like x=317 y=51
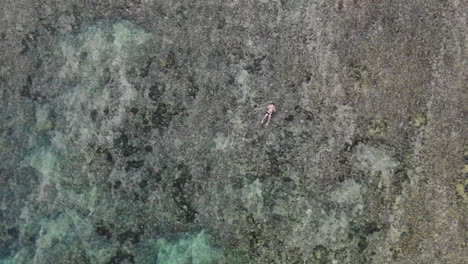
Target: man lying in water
x=270 y=110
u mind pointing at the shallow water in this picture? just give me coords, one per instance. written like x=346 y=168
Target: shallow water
x=132 y=134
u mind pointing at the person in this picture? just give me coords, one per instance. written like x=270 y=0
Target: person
x=270 y=110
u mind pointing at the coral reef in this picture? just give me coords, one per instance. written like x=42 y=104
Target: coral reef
x=130 y=131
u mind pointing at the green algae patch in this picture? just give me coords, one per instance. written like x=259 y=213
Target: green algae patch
x=320 y=255
x=461 y=189
x=361 y=76
x=320 y=252
x=419 y=120
x=379 y=126
x=465 y=169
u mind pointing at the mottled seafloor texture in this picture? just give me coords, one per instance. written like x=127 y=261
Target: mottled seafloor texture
x=130 y=131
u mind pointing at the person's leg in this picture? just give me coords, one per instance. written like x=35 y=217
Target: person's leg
x=263 y=119
x=269 y=117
